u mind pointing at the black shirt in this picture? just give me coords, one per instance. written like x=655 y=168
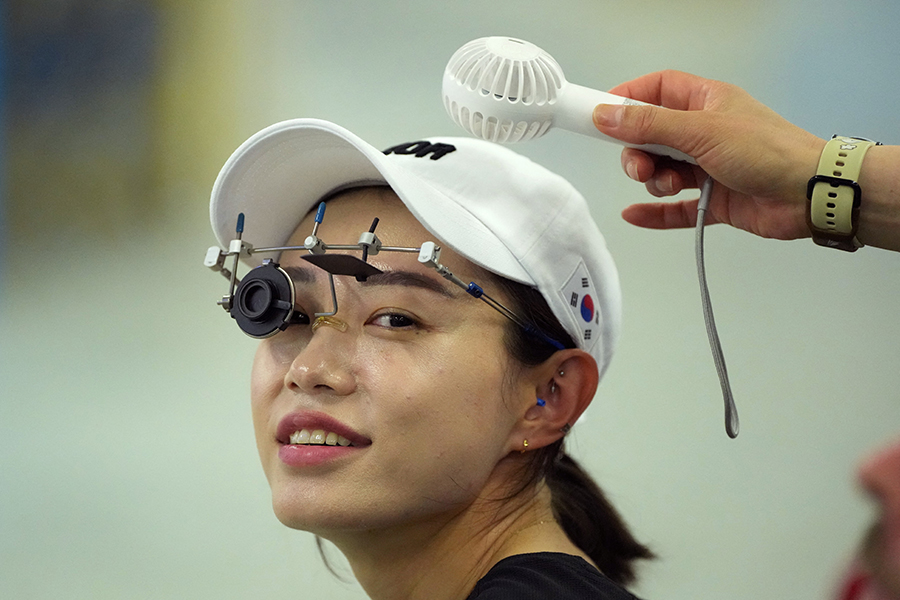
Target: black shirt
x=546 y=576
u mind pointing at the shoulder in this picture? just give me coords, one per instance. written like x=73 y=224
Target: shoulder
x=546 y=575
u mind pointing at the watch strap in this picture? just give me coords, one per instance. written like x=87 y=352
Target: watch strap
x=834 y=194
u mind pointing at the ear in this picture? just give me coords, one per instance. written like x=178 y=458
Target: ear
x=566 y=383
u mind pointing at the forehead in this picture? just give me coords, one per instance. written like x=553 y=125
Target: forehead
x=350 y=213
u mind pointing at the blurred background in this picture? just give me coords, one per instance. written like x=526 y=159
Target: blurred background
x=128 y=467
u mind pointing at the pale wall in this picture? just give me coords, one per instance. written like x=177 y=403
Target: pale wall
x=127 y=463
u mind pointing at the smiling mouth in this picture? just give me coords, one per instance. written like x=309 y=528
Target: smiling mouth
x=318 y=437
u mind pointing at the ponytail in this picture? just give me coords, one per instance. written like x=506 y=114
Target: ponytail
x=579 y=505
x=592 y=522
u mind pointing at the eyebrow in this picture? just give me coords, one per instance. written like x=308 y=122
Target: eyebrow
x=300 y=274
x=409 y=279
x=401 y=278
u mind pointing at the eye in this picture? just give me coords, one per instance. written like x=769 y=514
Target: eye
x=393 y=320
x=299 y=318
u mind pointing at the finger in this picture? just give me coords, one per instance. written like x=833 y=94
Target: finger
x=649 y=125
x=664 y=215
x=672 y=89
x=638 y=165
x=664 y=177
x=663 y=184
x=671 y=177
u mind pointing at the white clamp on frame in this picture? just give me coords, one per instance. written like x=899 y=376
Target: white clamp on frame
x=430 y=256
x=215 y=260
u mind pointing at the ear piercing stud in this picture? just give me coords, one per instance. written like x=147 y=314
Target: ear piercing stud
x=553 y=386
x=541 y=402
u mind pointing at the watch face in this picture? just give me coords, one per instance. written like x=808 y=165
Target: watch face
x=853 y=138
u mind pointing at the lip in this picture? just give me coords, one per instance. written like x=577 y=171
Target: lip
x=305 y=456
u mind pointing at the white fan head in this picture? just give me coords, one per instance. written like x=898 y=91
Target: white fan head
x=502 y=89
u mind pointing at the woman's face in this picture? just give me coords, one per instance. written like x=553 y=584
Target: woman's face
x=417 y=383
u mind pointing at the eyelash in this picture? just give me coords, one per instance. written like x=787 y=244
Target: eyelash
x=407 y=322
x=393 y=317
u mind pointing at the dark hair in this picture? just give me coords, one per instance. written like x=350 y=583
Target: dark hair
x=579 y=505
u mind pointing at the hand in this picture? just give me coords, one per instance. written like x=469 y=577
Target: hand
x=760 y=162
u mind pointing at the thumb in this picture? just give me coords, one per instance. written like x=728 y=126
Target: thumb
x=644 y=124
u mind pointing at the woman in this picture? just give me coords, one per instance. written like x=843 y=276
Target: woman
x=417 y=428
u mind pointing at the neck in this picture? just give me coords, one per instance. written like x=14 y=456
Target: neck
x=444 y=557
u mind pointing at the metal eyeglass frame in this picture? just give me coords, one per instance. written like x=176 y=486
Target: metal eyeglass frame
x=262 y=302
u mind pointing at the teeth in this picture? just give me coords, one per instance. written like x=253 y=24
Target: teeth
x=300 y=437
x=318 y=437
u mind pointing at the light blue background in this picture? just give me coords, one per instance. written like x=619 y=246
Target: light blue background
x=127 y=462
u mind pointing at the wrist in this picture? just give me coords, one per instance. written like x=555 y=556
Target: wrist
x=805 y=167
x=805 y=159
x=879 y=215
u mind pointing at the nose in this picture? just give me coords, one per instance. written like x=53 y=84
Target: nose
x=880 y=476
x=324 y=365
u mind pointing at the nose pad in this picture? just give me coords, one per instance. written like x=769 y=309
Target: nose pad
x=331 y=321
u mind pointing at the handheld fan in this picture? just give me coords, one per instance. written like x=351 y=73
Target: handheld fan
x=503 y=89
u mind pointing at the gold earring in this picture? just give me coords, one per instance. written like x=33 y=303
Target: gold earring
x=524 y=446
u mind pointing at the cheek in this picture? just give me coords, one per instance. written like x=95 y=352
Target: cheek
x=444 y=377
x=266 y=380
x=446 y=401
x=270 y=366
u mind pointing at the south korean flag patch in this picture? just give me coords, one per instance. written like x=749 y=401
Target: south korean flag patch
x=581 y=298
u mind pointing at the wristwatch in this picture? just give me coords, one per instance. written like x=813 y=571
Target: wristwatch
x=834 y=194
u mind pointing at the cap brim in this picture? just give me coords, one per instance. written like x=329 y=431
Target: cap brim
x=278 y=175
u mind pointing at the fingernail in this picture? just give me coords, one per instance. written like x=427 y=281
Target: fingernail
x=609 y=115
x=665 y=184
x=631 y=170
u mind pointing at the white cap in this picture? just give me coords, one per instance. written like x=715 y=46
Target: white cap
x=497 y=208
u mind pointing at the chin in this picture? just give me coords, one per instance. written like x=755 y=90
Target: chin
x=323 y=515
x=304 y=514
